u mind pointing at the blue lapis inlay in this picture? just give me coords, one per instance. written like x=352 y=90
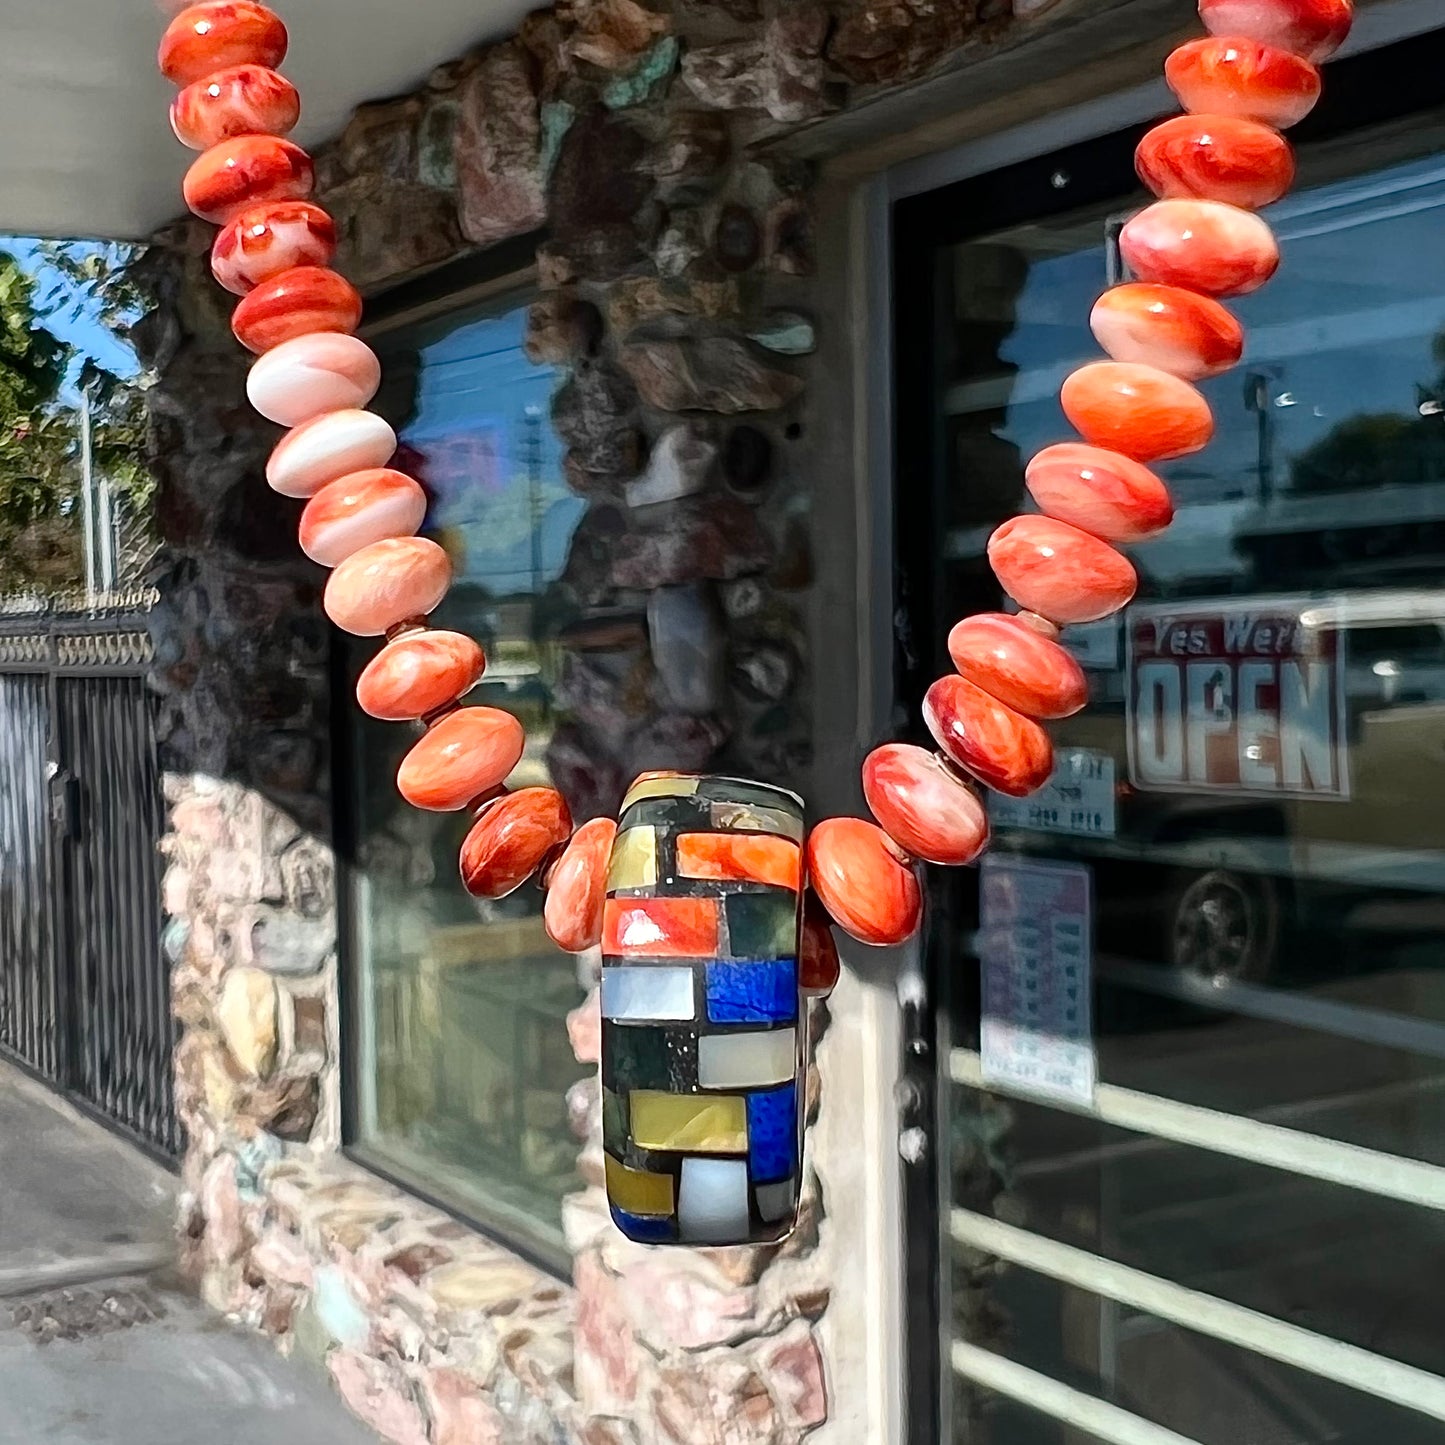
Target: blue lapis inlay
x=752 y=993
x=644 y=1228
x=773 y=1134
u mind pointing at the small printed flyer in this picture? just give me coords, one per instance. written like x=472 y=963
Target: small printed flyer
x=1035 y=948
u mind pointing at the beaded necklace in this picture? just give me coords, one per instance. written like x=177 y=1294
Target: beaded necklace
x=666 y=887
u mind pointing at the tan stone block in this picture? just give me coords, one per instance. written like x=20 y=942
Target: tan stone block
x=281 y=1258
x=678 y=1301
x=246 y=1013
x=607 y=1358
x=481 y=1285
x=221 y=1082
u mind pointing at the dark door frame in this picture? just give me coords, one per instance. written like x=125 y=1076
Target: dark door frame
x=1364 y=90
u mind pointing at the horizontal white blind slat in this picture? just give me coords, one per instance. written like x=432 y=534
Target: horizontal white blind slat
x=1317 y=1354
x=1059 y=1401
x=1408 y=1180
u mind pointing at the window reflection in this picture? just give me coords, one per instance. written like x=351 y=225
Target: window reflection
x=465 y=1062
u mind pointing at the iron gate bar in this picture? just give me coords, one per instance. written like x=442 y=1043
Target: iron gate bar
x=28 y=995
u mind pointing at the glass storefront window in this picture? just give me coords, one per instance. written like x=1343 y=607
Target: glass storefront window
x=464 y=1064
x=1194 y=1014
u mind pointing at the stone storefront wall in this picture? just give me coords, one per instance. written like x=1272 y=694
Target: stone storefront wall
x=676 y=279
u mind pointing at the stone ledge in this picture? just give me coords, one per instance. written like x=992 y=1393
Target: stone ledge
x=426 y=1328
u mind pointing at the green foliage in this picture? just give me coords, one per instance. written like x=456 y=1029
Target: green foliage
x=1372 y=450
x=41 y=545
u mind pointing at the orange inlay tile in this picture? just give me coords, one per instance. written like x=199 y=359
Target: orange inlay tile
x=740 y=857
x=660 y=928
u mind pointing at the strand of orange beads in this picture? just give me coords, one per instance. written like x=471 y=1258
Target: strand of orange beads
x=316 y=377
x=1212 y=168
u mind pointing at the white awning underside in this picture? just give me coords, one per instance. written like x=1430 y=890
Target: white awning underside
x=85 y=146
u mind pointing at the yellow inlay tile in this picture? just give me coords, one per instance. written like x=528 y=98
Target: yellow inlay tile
x=638 y=1191
x=634 y=860
x=668 y=786
x=704 y=1124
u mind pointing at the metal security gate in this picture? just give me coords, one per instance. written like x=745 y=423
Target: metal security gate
x=84 y=990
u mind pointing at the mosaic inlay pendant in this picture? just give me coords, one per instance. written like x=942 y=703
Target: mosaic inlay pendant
x=703 y=1028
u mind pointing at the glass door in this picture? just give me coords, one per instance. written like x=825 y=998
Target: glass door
x=1190 y=1015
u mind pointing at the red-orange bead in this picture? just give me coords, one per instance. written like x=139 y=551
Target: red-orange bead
x=923 y=805
x=419 y=673
x=1019 y=666
x=244 y=172
x=511 y=839
x=296 y=303
x=460 y=759
x=1060 y=572
x=818 y=965
x=1229 y=75
x=244 y=100
x=577 y=887
x=267 y=239
x=1216 y=158
x=1003 y=749
x=219 y=34
x=862 y=881
x=1138 y=410
x=1314 y=29
x=1101 y=492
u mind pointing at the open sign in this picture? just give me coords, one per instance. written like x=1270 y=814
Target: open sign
x=1238 y=697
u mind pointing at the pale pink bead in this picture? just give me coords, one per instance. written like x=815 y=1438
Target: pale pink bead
x=399 y=580
x=1200 y=245
x=330 y=446
x=1179 y=331
x=301 y=379
x=353 y=512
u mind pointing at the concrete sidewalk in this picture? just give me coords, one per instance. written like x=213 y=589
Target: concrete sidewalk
x=76 y=1204
x=99 y=1345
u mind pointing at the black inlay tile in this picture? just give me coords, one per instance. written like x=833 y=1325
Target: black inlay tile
x=650 y=1056
x=762 y=925
x=731 y=790
x=660 y=813
x=614 y=1122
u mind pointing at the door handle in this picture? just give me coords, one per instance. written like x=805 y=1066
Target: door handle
x=912 y=1094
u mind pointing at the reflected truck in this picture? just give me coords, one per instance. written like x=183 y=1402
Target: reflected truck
x=1251 y=768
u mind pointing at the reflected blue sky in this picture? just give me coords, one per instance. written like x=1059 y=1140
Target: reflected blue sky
x=489 y=456
x=73 y=317
x=1347 y=329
